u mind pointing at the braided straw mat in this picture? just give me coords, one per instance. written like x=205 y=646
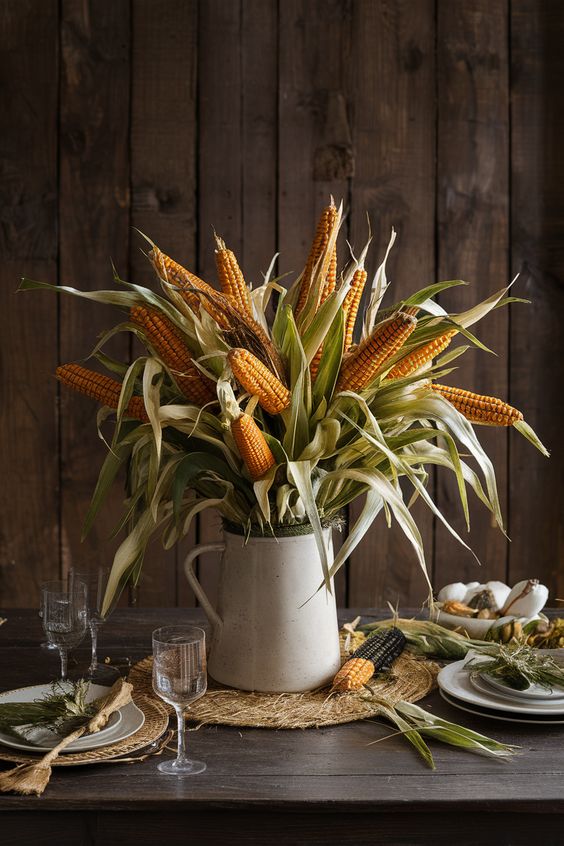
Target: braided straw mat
x=409 y=680
x=155 y=725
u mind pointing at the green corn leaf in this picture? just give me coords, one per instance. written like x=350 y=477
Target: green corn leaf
x=527 y=432
x=431 y=291
x=152 y=379
x=128 y=555
x=378 y=288
x=115 y=459
x=314 y=336
x=196 y=464
x=324 y=442
x=300 y=474
x=409 y=732
x=330 y=362
x=453 y=734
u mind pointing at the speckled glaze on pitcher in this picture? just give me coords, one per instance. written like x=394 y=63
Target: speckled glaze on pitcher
x=273 y=630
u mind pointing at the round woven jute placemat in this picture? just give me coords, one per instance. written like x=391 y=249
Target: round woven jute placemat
x=409 y=680
x=155 y=725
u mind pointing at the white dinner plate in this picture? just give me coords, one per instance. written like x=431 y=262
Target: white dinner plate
x=508 y=717
x=454 y=679
x=127 y=721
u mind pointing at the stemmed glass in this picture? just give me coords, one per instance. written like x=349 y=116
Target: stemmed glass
x=63 y=613
x=179 y=677
x=96 y=581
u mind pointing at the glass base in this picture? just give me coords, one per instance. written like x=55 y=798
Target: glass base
x=103 y=674
x=186 y=768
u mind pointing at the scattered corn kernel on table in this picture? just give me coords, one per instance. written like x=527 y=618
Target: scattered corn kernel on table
x=292 y=787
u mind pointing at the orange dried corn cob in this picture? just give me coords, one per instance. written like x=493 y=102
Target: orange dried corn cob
x=353 y=675
x=360 y=367
x=323 y=231
x=421 y=356
x=258 y=380
x=352 y=303
x=331 y=278
x=231 y=278
x=252 y=446
x=328 y=288
x=489 y=411
x=99 y=387
x=376 y=653
x=172 y=272
x=167 y=342
x=314 y=366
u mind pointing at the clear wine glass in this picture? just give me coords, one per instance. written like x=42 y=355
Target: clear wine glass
x=63 y=613
x=96 y=581
x=180 y=677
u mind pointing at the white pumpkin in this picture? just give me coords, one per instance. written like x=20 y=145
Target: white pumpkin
x=455 y=592
x=500 y=592
x=472 y=588
x=526 y=599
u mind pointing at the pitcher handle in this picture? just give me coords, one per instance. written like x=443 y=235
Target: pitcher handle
x=211 y=613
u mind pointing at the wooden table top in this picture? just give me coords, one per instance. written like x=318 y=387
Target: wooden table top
x=266 y=778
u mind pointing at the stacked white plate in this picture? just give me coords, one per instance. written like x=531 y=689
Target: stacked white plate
x=484 y=696
x=121 y=725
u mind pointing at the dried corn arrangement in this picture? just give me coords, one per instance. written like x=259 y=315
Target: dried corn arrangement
x=280 y=407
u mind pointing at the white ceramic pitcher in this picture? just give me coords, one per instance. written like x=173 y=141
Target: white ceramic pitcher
x=273 y=630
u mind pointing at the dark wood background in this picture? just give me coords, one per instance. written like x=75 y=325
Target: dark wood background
x=444 y=119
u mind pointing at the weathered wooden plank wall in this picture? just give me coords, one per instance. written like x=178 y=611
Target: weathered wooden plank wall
x=473 y=241
x=441 y=118
x=394 y=181
x=29 y=445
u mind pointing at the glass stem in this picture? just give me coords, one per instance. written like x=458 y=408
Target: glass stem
x=64 y=662
x=94 y=653
x=181 y=749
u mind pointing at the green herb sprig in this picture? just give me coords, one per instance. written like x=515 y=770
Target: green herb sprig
x=519 y=666
x=62 y=711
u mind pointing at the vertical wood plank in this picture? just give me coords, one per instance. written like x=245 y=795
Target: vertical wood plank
x=219 y=176
x=29 y=536
x=472 y=204
x=394 y=142
x=259 y=80
x=94 y=216
x=536 y=497
x=163 y=181
x=315 y=153
x=238 y=143
x=315 y=157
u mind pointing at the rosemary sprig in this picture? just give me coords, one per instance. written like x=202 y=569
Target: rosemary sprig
x=62 y=711
x=519 y=666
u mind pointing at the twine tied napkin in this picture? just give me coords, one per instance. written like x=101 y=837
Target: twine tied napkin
x=34 y=778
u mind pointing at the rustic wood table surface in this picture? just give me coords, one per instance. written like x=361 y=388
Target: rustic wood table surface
x=292 y=787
